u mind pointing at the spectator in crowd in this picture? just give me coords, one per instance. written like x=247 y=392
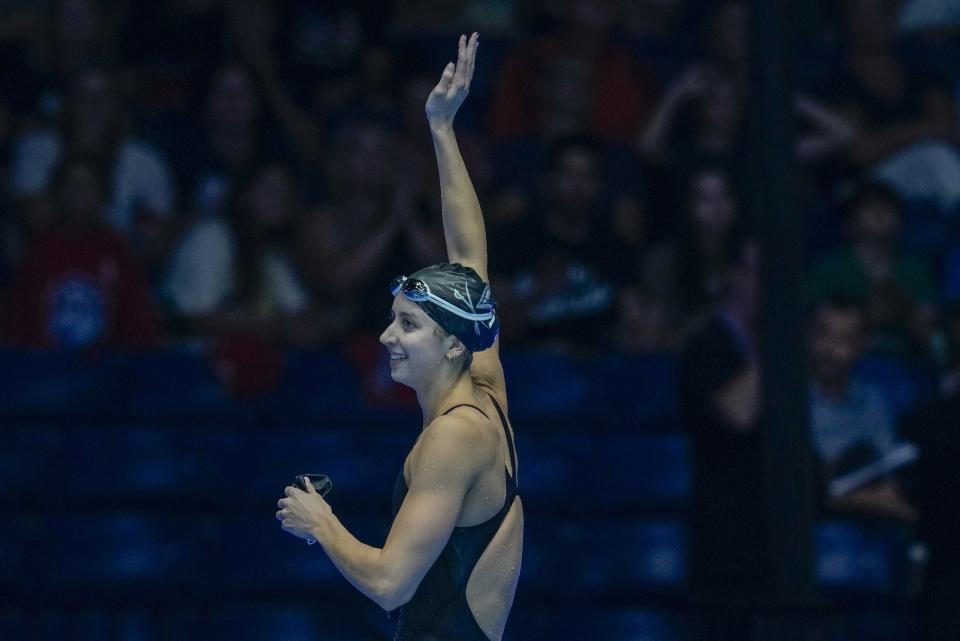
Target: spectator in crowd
x=892 y=106
x=20 y=18
x=565 y=90
x=719 y=34
x=929 y=16
x=699 y=119
x=934 y=429
x=180 y=35
x=418 y=170
x=896 y=288
x=13 y=229
x=688 y=271
x=254 y=26
x=951 y=274
x=565 y=292
x=79 y=286
x=369 y=226
x=904 y=119
x=61 y=40
x=652 y=20
x=238 y=273
x=616 y=100
x=851 y=422
x=227 y=142
x=643 y=324
x=824 y=132
x=701 y=115
x=426 y=17
x=720 y=411
x=141 y=195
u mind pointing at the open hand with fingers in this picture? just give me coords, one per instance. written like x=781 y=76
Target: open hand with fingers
x=446 y=98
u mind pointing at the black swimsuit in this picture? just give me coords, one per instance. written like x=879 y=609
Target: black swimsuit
x=439 y=610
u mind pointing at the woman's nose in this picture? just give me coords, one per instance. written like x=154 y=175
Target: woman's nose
x=386 y=337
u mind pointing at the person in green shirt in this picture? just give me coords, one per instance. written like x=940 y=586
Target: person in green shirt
x=896 y=288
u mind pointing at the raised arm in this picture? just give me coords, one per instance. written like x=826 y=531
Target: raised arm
x=463 y=227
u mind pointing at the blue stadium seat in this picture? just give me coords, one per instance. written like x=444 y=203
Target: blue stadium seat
x=91 y=625
x=138 y=624
x=172 y=382
x=595 y=473
x=639 y=625
x=44 y=382
x=13 y=623
x=28 y=454
x=565 y=557
x=596 y=623
x=544 y=385
x=147 y=462
x=361 y=463
x=264 y=623
x=253 y=553
x=926 y=229
x=116 y=551
x=321 y=385
x=854 y=558
x=635 y=389
x=15 y=550
x=50 y=625
x=310 y=618
x=903 y=385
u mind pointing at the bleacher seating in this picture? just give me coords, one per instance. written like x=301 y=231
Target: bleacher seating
x=145 y=483
x=583 y=473
x=114 y=553
x=855 y=558
x=625 y=556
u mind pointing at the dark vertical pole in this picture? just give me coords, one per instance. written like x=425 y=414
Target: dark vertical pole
x=790 y=479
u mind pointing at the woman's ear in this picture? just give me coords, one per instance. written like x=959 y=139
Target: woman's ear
x=456 y=349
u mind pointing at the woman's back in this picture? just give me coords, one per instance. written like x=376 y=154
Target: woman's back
x=468 y=591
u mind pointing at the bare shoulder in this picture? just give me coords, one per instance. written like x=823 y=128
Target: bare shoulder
x=452 y=430
x=454 y=444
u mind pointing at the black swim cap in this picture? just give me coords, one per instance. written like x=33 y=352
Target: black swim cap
x=462 y=288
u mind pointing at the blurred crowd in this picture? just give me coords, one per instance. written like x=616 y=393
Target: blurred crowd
x=200 y=168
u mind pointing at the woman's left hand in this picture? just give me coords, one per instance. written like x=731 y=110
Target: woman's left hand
x=301 y=513
x=446 y=98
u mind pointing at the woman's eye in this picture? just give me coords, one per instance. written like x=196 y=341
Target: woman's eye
x=407 y=323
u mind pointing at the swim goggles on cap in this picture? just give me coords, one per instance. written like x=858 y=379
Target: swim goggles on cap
x=418 y=291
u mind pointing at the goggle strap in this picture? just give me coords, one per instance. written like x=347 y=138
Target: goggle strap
x=453 y=309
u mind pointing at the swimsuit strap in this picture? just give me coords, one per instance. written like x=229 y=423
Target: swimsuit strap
x=466 y=405
x=503 y=422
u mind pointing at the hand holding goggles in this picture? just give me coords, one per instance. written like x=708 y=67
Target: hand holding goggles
x=320 y=482
x=419 y=291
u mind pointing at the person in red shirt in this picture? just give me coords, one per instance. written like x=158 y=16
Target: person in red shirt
x=78 y=285
x=574 y=72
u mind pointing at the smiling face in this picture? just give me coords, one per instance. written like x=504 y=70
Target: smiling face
x=417 y=346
